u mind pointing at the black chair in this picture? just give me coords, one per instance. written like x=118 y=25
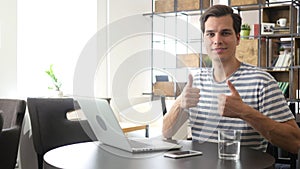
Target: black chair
x=51 y=128
x=162 y=98
x=1 y=121
x=13 y=111
x=282 y=157
x=298 y=160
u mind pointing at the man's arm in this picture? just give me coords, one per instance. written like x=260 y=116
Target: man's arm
x=174 y=119
x=285 y=135
x=178 y=113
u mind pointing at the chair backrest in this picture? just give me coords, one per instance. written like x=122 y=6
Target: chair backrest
x=50 y=126
x=283 y=158
x=13 y=111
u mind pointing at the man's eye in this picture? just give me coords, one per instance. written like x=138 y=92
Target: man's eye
x=210 y=34
x=226 y=33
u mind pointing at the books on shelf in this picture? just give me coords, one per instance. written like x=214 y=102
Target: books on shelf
x=281 y=30
x=283 y=87
x=286 y=39
x=283 y=61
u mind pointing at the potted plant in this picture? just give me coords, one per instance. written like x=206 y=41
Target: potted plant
x=245 y=31
x=56 y=84
x=281 y=50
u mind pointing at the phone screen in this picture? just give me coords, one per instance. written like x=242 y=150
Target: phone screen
x=180 y=154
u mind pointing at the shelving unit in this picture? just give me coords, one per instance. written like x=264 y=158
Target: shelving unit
x=174 y=44
x=269 y=13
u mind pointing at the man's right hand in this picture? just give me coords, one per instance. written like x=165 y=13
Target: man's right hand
x=190 y=95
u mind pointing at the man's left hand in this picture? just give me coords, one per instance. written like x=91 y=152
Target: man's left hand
x=230 y=105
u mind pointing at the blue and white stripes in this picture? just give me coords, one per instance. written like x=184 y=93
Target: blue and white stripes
x=256 y=87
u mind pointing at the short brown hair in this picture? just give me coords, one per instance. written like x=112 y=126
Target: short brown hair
x=221 y=10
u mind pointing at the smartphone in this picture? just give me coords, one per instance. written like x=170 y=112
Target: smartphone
x=182 y=153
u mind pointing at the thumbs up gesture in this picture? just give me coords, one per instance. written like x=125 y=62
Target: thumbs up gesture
x=231 y=105
x=190 y=95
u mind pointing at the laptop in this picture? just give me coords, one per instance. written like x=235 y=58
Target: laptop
x=108 y=131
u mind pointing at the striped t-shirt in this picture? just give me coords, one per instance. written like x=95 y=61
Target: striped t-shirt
x=256 y=87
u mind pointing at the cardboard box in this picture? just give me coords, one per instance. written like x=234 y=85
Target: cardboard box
x=182 y=5
x=247 y=51
x=185 y=5
x=187 y=60
x=246 y=2
x=164 y=88
x=164 y=5
x=168 y=88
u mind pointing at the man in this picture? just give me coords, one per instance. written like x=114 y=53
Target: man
x=232 y=95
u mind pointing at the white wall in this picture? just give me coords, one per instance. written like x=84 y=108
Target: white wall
x=119 y=50
x=52 y=32
x=8 y=48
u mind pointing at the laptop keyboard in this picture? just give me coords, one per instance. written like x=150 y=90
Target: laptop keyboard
x=138 y=144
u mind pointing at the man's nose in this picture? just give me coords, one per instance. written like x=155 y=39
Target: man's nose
x=217 y=39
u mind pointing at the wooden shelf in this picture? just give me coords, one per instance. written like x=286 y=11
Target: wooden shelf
x=273 y=13
x=260 y=50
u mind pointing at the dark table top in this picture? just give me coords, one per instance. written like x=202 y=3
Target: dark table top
x=92 y=155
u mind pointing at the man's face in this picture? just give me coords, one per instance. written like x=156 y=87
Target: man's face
x=220 y=39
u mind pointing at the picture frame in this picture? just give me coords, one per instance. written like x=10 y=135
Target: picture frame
x=267 y=28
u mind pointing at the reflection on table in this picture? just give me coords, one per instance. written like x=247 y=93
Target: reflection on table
x=93 y=155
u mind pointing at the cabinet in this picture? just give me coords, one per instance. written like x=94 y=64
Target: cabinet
x=177 y=40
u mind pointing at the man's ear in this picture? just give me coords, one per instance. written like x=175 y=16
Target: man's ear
x=238 y=39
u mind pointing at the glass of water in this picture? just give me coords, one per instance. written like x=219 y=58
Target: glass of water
x=229 y=144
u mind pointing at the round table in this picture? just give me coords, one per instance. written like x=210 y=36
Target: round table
x=93 y=155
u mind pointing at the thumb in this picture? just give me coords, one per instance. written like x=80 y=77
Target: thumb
x=190 y=81
x=234 y=92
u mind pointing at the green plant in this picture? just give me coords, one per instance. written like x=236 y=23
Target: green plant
x=55 y=81
x=281 y=48
x=245 y=26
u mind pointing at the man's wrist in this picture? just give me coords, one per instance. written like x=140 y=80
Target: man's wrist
x=186 y=110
